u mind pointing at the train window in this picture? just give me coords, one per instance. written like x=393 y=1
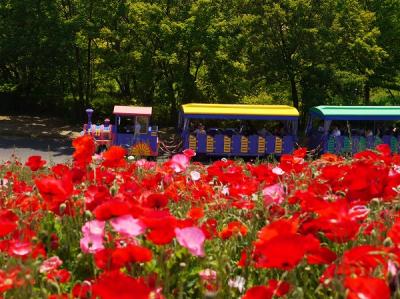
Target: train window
x=143 y=121
x=126 y=125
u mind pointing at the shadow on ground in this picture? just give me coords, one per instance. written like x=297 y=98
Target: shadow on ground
x=37 y=127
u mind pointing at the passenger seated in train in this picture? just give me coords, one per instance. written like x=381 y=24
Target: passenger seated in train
x=336 y=132
x=369 y=133
x=126 y=125
x=279 y=130
x=200 y=129
x=263 y=131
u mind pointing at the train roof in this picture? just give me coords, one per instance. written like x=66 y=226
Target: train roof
x=239 y=111
x=132 y=111
x=356 y=112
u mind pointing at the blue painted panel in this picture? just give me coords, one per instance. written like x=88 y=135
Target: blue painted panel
x=124 y=139
x=153 y=140
x=270 y=144
x=386 y=139
x=185 y=140
x=370 y=142
x=236 y=140
x=288 y=144
x=219 y=144
x=201 y=143
x=253 y=145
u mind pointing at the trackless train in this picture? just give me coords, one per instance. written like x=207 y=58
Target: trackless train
x=251 y=130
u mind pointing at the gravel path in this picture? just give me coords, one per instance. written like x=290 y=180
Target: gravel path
x=55 y=150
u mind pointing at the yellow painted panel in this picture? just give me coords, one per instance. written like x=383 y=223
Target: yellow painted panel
x=193 y=142
x=278 y=145
x=209 y=144
x=261 y=145
x=227 y=144
x=244 y=146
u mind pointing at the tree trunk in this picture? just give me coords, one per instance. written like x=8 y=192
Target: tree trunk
x=89 y=71
x=80 y=83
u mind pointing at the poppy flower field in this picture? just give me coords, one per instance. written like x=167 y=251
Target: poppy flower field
x=110 y=226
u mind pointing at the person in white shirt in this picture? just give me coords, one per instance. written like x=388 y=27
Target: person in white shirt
x=336 y=132
x=368 y=133
x=137 y=130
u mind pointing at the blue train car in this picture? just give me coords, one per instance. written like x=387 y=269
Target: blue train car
x=350 y=129
x=131 y=130
x=218 y=141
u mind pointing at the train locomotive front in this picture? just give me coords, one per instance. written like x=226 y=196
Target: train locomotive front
x=130 y=130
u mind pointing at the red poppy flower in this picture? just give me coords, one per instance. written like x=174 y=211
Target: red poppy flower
x=367 y=288
x=60 y=276
x=54 y=191
x=111 y=209
x=59 y=170
x=321 y=256
x=359 y=261
x=232 y=229
x=35 y=162
x=394 y=232
x=328 y=157
x=196 y=213
x=283 y=227
x=6 y=281
x=384 y=149
x=209 y=228
x=113 y=259
x=281 y=252
x=161 y=235
x=96 y=195
x=258 y=292
x=7 y=222
x=58 y=296
x=116 y=285
x=114 y=157
x=300 y=152
x=82 y=290
x=278 y=288
x=84 y=150
x=156 y=201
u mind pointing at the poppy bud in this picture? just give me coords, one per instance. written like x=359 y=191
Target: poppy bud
x=388 y=242
x=62 y=208
x=113 y=190
x=88 y=214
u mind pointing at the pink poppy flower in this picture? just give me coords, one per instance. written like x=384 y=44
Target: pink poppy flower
x=273 y=194
x=179 y=162
x=93 y=234
x=127 y=225
x=208 y=274
x=50 y=264
x=191 y=238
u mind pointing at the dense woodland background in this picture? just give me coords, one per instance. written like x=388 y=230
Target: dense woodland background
x=60 y=56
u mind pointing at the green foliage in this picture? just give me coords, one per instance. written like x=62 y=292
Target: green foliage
x=81 y=53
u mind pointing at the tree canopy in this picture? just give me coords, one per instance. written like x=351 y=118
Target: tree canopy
x=62 y=56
